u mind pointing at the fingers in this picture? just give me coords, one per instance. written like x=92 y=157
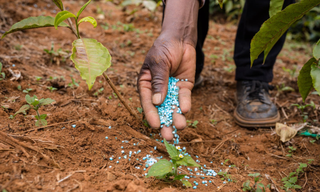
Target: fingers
x=145 y=90
x=185 y=100
x=179 y=120
x=166 y=133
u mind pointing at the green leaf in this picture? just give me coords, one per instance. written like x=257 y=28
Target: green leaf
x=82 y=8
x=151 y=5
x=220 y=3
x=58 y=4
x=186 y=183
x=61 y=16
x=90 y=20
x=37 y=123
x=293 y=179
x=316 y=50
x=173 y=152
x=29 y=99
x=43 y=122
x=91 y=58
x=43 y=116
x=315 y=74
x=178 y=177
x=275 y=7
x=261 y=185
x=131 y=2
x=0 y=66
x=272 y=29
x=32 y=23
x=190 y=162
x=23 y=109
x=305 y=80
x=160 y=168
x=297 y=187
x=46 y=101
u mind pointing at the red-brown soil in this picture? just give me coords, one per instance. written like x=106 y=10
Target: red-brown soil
x=63 y=158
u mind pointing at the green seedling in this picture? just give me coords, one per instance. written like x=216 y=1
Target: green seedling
x=283 y=88
x=52 y=88
x=27 y=90
x=230 y=68
x=257 y=187
x=90 y=57
x=18 y=47
x=213 y=121
x=192 y=124
x=292 y=72
x=302 y=108
x=99 y=91
x=55 y=54
x=3 y=75
x=73 y=83
x=140 y=109
x=35 y=103
x=38 y=78
x=291 y=180
x=225 y=176
x=167 y=170
x=19 y=87
x=291 y=150
x=312 y=141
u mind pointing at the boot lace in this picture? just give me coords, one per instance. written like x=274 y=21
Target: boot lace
x=255 y=91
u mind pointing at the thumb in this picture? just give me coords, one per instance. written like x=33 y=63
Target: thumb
x=159 y=82
x=157 y=64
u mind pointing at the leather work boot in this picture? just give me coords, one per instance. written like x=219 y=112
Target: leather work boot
x=254 y=107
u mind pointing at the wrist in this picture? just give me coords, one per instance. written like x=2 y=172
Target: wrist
x=180 y=20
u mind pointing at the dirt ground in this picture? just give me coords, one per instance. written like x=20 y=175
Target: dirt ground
x=73 y=154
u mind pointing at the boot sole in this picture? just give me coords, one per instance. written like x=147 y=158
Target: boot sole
x=245 y=122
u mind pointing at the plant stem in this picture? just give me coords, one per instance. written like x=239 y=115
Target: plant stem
x=120 y=97
x=77 y=27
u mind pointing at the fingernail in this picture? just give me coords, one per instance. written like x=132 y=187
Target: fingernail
x=156 y=99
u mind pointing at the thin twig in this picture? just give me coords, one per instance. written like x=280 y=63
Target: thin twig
x=269 y=178
x=73 y=172
x=305 y=174
x=120 y=97
x=219 y=146
x=284 y=113
x=205 y=141
x=48 y=126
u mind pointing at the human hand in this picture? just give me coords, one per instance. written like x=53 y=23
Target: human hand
x=167 y=57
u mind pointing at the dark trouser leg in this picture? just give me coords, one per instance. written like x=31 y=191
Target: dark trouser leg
x=203 y=25
x=255 y=12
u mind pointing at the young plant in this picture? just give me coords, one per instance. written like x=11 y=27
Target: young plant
x=73 y=84
x=52 y=88
x=98 y=92
x=291 y=180
x=194 y=124
x=257 y=187
x=167 y=170
x=90 y=57
x=224 y=176
x=35 y=103
x=291 y=150
x=3 y=75
x=54 y=55
x=302 y=107
x=27 y=90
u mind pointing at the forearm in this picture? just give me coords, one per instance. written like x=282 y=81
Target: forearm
x=180 y=20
